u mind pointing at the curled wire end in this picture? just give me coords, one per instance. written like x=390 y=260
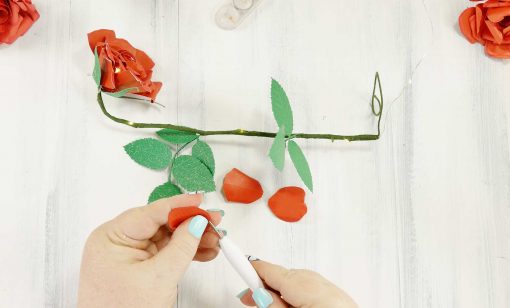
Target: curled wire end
x=379 y=99
x=380 y=102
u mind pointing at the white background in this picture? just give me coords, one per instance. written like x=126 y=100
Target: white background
x=420 y=218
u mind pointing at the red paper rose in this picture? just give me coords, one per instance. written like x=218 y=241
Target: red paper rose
x=488 y=23
x=16 y=17
x=122 y=65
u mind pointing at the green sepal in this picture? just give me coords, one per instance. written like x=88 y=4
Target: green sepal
x=122 y=93
x=96 y=73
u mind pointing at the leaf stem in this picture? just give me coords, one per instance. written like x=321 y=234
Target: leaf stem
x=251 y=133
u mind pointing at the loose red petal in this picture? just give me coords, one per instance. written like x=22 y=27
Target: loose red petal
x=288 y=204
x=238 y=187
x=179 y=215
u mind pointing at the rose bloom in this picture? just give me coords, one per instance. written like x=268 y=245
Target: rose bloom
x=488 y=23
x=16 y=17
x=122 y=65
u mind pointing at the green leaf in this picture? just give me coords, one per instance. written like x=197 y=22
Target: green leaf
x=281 y=107
x=277 y=152
x=299 y=160
x=175 y=136
x=164 y=191
x=122 y=93
x=96 y=73
x=202 y=151
x=150 y=153
x=192 y=175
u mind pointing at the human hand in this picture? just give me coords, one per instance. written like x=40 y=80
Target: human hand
x=134 y=261
x=294 y=288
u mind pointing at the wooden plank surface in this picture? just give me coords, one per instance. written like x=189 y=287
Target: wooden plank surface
x=420 y=218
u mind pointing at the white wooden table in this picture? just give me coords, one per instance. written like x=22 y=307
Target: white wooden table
x=420 y=218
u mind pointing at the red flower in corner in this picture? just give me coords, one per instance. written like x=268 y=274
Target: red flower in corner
x=16 y=17
x=123 y=66
x=488 y=23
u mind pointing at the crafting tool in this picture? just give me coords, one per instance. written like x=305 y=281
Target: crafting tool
x=232 y=14
x=239 y=261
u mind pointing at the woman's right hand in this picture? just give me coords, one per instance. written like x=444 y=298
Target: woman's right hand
x=294 y=288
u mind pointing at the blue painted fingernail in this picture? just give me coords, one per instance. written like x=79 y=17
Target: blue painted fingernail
x=197 y=226
x=222 y=212
x=262 y=298
x=242 y=293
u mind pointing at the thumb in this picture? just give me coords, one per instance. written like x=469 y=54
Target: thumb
x=176 y=256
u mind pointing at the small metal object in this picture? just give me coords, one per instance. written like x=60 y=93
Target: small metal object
x=220 y=234
x=233 y=13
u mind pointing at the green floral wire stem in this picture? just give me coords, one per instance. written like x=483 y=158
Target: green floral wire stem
x=250 y=133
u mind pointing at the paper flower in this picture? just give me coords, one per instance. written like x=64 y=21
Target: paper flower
x=238 y=187
x=123 y=66
x=488 y=23
x=16 y=17
x=288 y=204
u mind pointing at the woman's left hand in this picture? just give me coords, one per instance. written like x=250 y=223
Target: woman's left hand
x=134 y=261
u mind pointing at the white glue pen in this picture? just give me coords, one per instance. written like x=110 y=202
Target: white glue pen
x=239 y=261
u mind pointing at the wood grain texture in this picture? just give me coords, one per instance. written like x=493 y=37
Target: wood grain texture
x=420 y=218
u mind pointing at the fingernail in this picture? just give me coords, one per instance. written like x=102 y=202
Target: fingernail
x=222 y=212
x=262 y=298
x=242 y=293
x=197 y=226
x=252 y=258
x=222 y=231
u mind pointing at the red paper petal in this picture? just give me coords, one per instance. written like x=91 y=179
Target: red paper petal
x=144 y=59
x=496 y=3
x=99 y=36
x=238 y=187
x=479 y=17
x=125 y=79
x=498 y=51
x=122 y=45
x=179 y=215
x=496 y=33
x=288 y=204
x=505 y=31
x=498 y=14
x=465 y=24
